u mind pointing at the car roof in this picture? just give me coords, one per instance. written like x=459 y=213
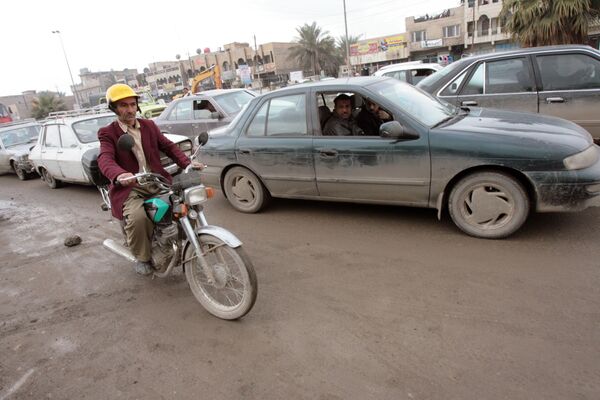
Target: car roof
x=406 y=66
x=215 y=92
x=77 y=118
x=16 y=124
x=352 y=81
x=529 y=50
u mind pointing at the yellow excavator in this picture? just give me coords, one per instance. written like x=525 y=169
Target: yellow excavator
x=213 y=72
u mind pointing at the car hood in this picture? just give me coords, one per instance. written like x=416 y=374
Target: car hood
x=536 y=127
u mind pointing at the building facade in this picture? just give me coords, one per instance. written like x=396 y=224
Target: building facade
x=93 y=85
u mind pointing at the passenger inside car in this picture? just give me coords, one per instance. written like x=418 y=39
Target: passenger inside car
x=370 y=118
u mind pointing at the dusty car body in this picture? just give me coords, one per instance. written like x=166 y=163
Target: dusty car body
x=488 y=168
x=64 y=139
x=561 y=81
x=192 y=115
x=16 y=140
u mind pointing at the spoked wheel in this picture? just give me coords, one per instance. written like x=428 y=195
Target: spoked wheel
x=244 y=191
x=50 y=180
x=232 y=293
x=488 y=205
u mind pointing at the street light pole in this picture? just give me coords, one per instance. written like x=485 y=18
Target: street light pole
x=77 y=99
x=347 y=43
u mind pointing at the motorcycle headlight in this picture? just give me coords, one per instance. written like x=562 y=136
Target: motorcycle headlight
x=195 y=195
x=584 y=159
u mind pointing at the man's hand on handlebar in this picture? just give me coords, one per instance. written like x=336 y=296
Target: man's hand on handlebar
x=198 y=165
x=126 y=179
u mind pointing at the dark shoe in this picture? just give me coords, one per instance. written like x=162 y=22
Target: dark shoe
x=143 y=268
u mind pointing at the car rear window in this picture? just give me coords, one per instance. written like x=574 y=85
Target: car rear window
x=87 y=130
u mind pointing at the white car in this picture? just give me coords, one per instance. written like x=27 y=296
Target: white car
x=16 y=138
x=65 y=137
x=410 y=72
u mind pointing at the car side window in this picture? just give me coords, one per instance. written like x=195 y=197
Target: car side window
x=419 y=74
x=182 y=111
x=52 y=137
x=281 y=116
x=475 y=84
x=569 y=72
x=203 y=109
x=67 y=137
x=452 y=88
x=508 y=76
x=400 y=75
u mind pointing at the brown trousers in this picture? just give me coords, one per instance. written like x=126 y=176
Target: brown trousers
x=138 y=227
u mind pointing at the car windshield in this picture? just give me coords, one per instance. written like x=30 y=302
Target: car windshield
x=87 y=130
x=416 y=103
x=20 y=135
x=433 y=79
x=233 y=102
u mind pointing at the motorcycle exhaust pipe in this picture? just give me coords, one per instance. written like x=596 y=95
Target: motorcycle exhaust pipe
x=118 y=249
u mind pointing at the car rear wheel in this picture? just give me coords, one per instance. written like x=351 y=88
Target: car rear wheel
x=50 y=180
x=488 y=205
x=244 y=190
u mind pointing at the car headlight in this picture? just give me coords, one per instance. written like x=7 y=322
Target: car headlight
x=584 y=159
x=195 y=195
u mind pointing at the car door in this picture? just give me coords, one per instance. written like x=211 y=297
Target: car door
x=179 y=121
x=69 y=155
x=276 y=144
x=506 y=83
x=49 y=150
x=4 y=157
x=372 y=168
x=570 y=88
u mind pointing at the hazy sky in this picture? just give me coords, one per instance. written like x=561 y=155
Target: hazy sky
x=119 y=34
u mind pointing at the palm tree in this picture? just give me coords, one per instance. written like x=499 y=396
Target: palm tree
x=341 y=44
x=549 y=22
x=315 y=49
x=45 y=103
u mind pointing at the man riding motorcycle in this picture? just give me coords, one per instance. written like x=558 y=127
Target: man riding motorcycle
x=127 y=198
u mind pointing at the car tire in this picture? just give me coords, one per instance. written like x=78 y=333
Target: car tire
x=51 y=181
x=489 y=205
x=22 y=175
x=244 y=191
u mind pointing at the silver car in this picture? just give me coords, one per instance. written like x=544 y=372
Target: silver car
x=192 y=115
x=562 y=81
x=16 y=139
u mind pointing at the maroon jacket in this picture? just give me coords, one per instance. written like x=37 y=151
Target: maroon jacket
x=114 y=162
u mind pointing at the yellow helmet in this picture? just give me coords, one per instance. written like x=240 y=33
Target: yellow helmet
x=119 y=91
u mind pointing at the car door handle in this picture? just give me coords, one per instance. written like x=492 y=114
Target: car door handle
x=245 y=151
x=328 y=153
x=468 y=103
x=550 y=100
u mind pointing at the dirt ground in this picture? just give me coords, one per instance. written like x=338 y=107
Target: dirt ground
x=355 y=302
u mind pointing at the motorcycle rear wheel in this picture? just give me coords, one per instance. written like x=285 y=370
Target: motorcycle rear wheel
x=233 y=292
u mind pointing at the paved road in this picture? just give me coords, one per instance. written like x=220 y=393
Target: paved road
x=355 y=302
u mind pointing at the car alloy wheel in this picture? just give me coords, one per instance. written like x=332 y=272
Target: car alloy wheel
x=244 y=191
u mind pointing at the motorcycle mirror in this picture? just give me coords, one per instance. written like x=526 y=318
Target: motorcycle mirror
x=125 y=142
x=202 y=138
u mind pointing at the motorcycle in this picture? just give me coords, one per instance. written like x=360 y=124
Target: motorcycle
x=218 y=271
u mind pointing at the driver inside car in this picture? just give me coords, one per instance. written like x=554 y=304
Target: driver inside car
x=126 y=196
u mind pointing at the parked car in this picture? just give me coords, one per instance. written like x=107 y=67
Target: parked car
x=411 y=72
x=191 y=115
x=489 y=168
x=16 y=138
x=562 y=81
x=65 y=137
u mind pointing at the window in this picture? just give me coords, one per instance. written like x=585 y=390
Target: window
x=451 y=89
x=451 y=31
x=203 y=109
x=181 y=111
x=419 y=36
x=400 y=75
x=234 y=101
x=569 y=72
x=281 y=116
x=475 y=84
x=87 y=130
x=52 y=138
x=419 y=74
x=21 y=135
x=67 y=137
x=508 y=76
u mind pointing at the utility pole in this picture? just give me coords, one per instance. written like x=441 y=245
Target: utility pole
x=256 y=66
x=77 y=99
x=474 y=29
x=347 y=43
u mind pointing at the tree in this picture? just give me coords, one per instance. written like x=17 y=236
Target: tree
x=315 y=49
x=341 y=44
x=45 y=103
x=549 y=22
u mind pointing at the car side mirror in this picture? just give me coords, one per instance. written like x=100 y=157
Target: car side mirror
x=125 y=142
x=395 y=130
x=215 y=115
x=202 y=138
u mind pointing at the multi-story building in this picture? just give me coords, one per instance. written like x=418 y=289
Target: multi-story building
x=380 y=51
x=93 y=85
x=164 y=78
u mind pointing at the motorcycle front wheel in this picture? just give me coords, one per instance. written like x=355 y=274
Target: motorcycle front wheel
x=232 y=292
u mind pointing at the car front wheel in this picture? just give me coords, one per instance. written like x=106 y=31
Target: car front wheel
x=244 y=190
x=50 y=180
x=488 y=205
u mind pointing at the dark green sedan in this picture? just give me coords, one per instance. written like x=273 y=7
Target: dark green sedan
x=488 y=168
